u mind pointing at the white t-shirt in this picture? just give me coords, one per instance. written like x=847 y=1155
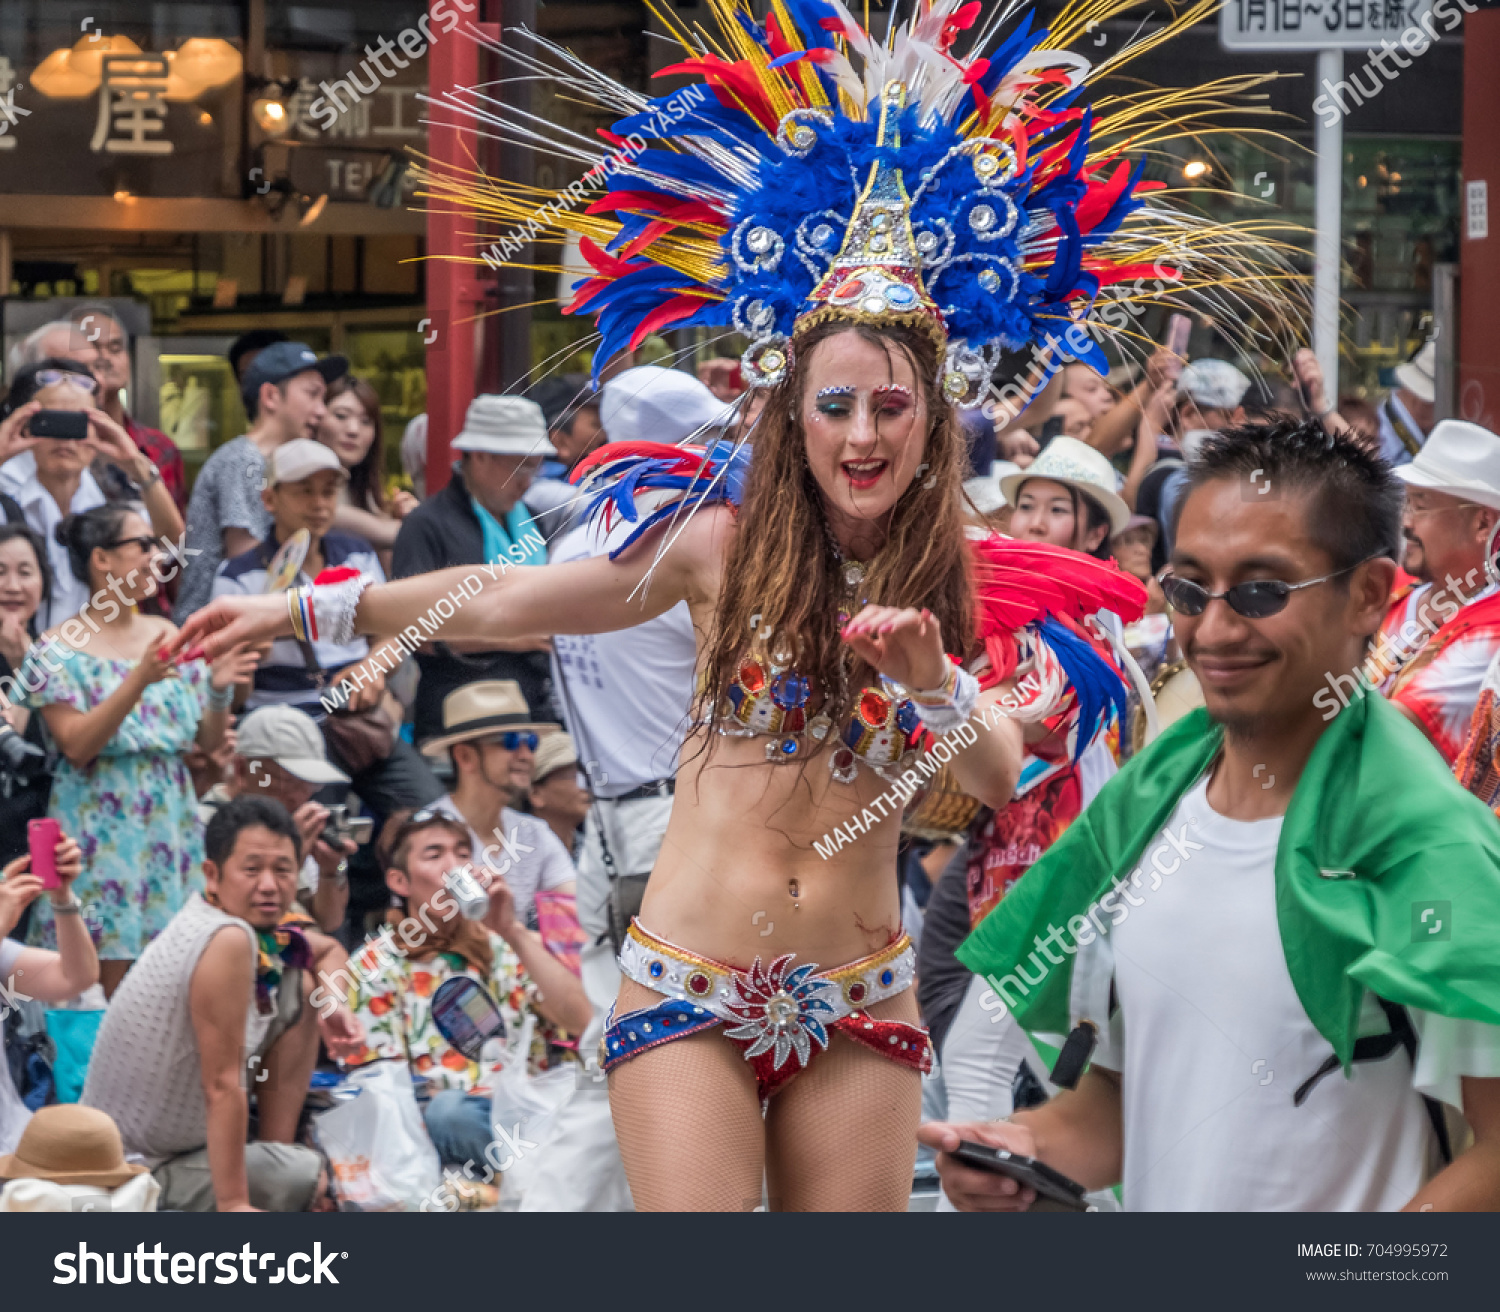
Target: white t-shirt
x=628 y=692
x=13 y=1113
x=1212 y=1041
x=530 y=858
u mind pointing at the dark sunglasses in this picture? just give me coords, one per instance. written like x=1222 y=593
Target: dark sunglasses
x=1258 y=599
x=512 y=740
x=144 y=543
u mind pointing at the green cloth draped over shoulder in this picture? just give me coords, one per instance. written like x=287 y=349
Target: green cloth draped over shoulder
x=1377 y=830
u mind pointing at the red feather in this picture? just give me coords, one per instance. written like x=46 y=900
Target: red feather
x=685 y=460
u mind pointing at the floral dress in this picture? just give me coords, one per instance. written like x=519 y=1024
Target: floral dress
x=132 y=809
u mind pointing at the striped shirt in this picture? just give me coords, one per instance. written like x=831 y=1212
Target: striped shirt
x=283 y=677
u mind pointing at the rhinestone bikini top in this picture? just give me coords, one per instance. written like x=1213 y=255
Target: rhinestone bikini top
x=769 y=699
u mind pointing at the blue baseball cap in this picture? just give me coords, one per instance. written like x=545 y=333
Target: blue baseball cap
x=283 y=360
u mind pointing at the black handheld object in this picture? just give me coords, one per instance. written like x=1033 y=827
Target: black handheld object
x=70 y=425
x=1050 y=1184
x=466 y=1015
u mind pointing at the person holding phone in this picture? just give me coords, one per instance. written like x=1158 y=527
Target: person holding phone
x=49 y=477
x=122 y=717
x=40 y=974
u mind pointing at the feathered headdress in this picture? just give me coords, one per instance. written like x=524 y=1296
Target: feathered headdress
x=816 y=172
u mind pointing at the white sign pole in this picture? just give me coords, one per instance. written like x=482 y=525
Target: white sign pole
x=1328 y=143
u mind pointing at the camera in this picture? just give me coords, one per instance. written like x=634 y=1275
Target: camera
x=20 y=761
x=341 y=825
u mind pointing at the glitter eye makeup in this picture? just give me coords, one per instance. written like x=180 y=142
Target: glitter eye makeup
x=835 y=391
x=894 y=389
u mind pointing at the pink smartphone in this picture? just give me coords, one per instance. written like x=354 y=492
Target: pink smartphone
x=42 y=837
x=1179 y=329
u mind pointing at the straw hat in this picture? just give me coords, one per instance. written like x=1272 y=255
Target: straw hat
x=481 y=710
x=555 y=752
x=1074 y=464
x=70 y=1144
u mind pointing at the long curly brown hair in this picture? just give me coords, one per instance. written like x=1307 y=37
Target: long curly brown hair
x=782 y=569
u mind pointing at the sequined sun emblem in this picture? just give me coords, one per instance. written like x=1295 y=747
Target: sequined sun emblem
x=781 y=1009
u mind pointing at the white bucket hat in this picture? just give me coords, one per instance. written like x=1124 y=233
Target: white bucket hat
x=1077 y=465
x=1460 y=459
x=652 y=404
x=1419 y=374
x=504 y=426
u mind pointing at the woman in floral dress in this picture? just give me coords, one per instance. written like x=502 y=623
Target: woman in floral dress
x=123 y=718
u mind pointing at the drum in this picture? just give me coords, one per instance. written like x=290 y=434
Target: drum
x=942 y=812
x=1175 y=691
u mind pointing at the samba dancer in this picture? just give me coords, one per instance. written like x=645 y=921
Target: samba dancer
x=929 y=202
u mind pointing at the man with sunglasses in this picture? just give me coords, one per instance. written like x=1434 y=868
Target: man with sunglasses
x=489 y=735
x=1263 y=896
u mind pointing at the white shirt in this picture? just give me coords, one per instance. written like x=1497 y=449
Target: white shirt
x=13 y=1112
x=628 y=692
x=1212 y=1041
x=18 y=481
x=530 y=857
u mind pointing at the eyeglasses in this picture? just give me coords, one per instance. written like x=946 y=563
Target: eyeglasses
x=51 y=377
x=1258 y=599
x=144 y=543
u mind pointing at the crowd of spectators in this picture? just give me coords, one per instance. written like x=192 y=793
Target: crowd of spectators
x=232 y=839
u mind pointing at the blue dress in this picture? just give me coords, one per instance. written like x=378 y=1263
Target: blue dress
x=132 y=810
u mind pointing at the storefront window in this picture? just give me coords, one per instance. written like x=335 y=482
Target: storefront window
x=1400 y=218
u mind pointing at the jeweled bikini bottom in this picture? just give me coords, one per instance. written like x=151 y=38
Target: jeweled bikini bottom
x=780 y=1015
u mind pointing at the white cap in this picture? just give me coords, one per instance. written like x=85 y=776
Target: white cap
x=652 y=404
x=1214 y=383
x=301 y=458
x=1460 y=459
x=292 y=739
x=505 y=426
x=1419 y=374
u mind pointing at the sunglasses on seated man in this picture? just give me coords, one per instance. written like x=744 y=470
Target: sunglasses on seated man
x=1257 y=599
x=511 y=740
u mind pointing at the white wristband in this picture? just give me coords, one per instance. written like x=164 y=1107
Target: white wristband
x=333 y=607
x=955 y=708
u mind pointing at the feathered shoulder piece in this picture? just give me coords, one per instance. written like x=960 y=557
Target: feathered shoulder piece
x=618 y=474
x=1032 y=605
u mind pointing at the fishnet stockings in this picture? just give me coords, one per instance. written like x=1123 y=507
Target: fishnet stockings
x=839 y=1137
x=842 y=1136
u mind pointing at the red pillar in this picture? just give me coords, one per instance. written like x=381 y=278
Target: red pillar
x=454 y=292
x=1478 y=398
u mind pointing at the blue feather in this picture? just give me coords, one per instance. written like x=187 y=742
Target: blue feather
x=1100 y=691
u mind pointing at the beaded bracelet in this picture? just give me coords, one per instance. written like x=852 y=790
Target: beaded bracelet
x=945 y=708
x=220 y=699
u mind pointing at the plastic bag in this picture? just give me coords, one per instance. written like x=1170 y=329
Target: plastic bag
x=523 y=1108
x=378 y=1151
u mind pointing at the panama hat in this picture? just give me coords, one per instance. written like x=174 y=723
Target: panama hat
x=555 y=752
x=1419 y=374
x=70 y=1144
x=1077 y=465
x=481 y=710
x=1458 y=458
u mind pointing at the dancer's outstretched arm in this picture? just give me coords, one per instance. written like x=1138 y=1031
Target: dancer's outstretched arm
x=586 y=596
